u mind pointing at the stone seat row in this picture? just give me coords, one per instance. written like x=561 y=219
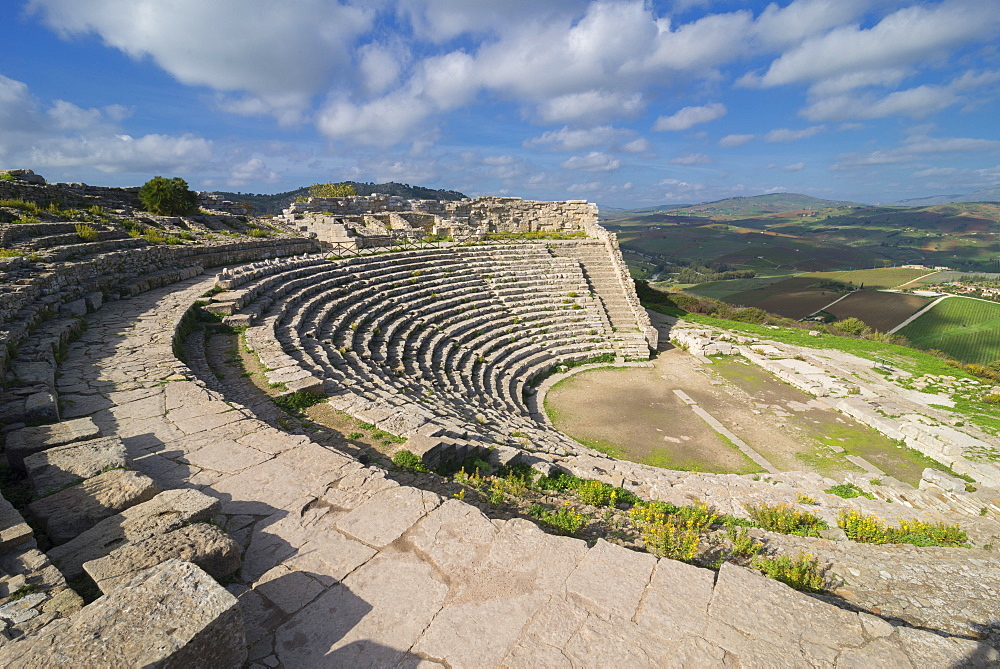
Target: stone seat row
x=458 y=337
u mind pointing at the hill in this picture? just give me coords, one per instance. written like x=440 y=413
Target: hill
x=988 y=194
x=760 y=204
x=273 y=204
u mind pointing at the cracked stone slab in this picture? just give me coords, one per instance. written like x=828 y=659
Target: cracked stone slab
x=383 y=519
x=611 y=579
x=225 y=455
x=276 y=483
x=493 y=598
x=676 y=601
x=200 y=543
x=69 y=512
x=64 y=465
x=172 y=615
x=381 y=609
x=28 y=440
x=167 y=511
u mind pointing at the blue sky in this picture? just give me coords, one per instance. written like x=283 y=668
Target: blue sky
x=622 y=103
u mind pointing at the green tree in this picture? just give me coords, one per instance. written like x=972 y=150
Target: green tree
x=852 y=325
x=168 y=197
x=332 y=190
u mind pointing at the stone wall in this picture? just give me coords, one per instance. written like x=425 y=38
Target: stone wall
x=83 y=195
x=469 y=216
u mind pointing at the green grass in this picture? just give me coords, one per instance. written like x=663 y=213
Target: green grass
x=964 y=328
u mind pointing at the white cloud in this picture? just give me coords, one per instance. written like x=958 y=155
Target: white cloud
x=249 y=171
x=690 y=116
x=794 y=167
x=593 y=105
x=595 y=161
x=786 y=135
x=256 y=46
x=914 y=148
x=691 y=159
x=907 y=36
x=637 y=146
x=65 y=135
x=568 y=139
x=588 y=187
x=918 y=102
x=735 y=140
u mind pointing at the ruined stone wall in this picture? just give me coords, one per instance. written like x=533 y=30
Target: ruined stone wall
x=477 y=216
x=74 y=194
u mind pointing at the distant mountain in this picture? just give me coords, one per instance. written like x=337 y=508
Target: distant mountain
x=736 y=206
x=988 y=194
x=274 y=204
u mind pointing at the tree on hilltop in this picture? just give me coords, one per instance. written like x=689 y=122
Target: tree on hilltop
x=332 y=190
x=168 y=197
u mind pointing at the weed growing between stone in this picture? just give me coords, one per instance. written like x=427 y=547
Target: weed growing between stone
x=297 y=403
x=868 y=529
x=848 y=491
x=801 y=572
x=786 y=519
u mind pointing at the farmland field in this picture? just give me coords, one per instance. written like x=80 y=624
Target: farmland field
x=874 y=278
x=720 y=290
x=965 y=328
x=882 y=311
x=791 y=298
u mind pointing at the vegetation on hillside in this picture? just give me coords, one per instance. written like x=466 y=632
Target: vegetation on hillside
x=270 y=204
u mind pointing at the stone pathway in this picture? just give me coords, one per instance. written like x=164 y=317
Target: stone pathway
x=344 y=567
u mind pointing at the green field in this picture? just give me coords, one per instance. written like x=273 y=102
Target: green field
x=964 y=328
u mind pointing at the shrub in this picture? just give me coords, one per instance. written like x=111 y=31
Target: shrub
x=408 y=460
x=564 y=520
x=801 y=572
x=86 y=232
x=744 y=546
x=852 y=325
x=257 y=232
x=848 y=491
x=7 y=177
x=168 y=197
x=786 y=519
x=868 y=529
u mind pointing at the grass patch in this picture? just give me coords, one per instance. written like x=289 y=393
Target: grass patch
x=848 y=491
x=297 y=403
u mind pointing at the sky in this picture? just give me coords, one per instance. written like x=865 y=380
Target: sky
x=624 y=103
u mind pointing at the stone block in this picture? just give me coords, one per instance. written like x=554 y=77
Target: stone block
x=39 y=373
x=167 y=511
x=13 y=530
x=74 y=308
x=69 y=512
x=22 y=443
x=170 y=616
x=308 y=384
x=41 y=407
x=95 y=300
x=202 y=544
x=63 y=465
x=932 y=478
x=382 y=519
